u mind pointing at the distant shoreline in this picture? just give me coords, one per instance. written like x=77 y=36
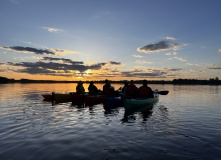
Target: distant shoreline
x=211 y=81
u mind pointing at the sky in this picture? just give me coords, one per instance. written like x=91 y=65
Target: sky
x=110 y=39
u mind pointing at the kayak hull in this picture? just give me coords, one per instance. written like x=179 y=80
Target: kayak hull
x=89 y=100
x=115 y=101
x=140 y=102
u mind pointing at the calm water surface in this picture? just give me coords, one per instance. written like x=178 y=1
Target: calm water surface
x=185 y=124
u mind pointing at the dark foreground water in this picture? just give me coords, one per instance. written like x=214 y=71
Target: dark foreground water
x=185 y=124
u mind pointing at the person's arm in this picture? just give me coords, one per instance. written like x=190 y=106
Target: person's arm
x=82 y=90
x=151 y=92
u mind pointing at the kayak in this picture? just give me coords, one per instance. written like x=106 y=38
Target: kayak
x=91 y=100
x=63 y=97
x=47 y=97
x=140 y=102
x=88 y=99
x=115 y=101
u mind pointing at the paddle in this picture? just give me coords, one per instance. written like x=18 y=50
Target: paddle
x=162 y=92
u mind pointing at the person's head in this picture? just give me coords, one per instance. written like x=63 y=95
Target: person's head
x=145 y=82
x=80 y=83
x=131 y=82
x=126 y=83
x=108 y=84
x=91 y=83
x=106 y=81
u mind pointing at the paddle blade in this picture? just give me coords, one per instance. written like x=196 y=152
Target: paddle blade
x=163 y=92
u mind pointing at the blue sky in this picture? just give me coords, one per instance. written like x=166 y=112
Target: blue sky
x=115 y=39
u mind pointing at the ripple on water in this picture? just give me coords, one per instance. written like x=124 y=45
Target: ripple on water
x=181 y=125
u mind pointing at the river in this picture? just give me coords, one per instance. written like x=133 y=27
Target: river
x=185 y=124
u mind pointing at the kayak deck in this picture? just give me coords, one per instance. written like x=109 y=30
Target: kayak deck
x=140 y=102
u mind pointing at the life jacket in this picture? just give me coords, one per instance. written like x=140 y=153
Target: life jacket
x=79 y=89
x=131 y=90
x=144 y=91
x=108 y=91
x=92 y=89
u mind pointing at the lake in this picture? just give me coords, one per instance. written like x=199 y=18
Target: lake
x=185 y=124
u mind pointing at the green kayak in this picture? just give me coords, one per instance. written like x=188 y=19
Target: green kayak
x=140 y=102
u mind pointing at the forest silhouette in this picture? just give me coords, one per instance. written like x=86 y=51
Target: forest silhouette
x=211 y=81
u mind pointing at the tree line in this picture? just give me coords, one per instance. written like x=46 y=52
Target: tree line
x=211 y=81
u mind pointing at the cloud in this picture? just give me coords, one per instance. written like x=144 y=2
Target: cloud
x=143 y=62
x=115 y=63
x=215 y=68
x=2 y=64
x=49 y=29
x=59 y=67
x=52 y=68
x=26 y=42
x=219 y=50
x=152 y=74
x=160 y=46
x=64 y=60
x=137 y=56
x=190 y=64
x=2 y=70
x=58 y=51
x=171 y=53
x=181 y=59
x=174 y=69
x=49 y=51
x=170 y=38
x=193 y=70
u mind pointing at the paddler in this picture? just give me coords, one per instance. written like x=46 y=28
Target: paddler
x=80 y=88
x=108 y=90
x=92 y=88
x=145 y=91
x=131 y=90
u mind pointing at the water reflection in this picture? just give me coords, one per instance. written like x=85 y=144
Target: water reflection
x=130 y=114
x=185 y=124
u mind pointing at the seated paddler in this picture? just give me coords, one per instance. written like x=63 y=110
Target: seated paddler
x=108 y=90
x=145 y=91
x=92 y=88
x=80 y=88
x=131 y=91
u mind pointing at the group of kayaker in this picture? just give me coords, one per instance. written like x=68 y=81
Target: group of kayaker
x=129 y=90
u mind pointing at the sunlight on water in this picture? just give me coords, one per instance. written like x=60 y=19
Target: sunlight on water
x=185 y=124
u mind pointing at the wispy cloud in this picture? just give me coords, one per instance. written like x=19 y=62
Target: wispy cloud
x=190 y=64
x=150 y=74
x=58 y=51
x=26 y=42
x=49 y=29
x=143 y=62
x=174 y=69
x=219 y=50
x=170 y=38
x=193 y=70
x=160 y=46
x=49 y=51
x=171 y=53
x=115 y=63
x=2 y=64
x=181 y=59
x=137 y=56
x=215 y=68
